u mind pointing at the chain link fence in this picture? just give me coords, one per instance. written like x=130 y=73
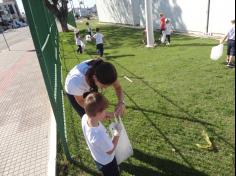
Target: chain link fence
x=45 y=36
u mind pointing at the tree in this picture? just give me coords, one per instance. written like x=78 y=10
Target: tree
x=60 y=10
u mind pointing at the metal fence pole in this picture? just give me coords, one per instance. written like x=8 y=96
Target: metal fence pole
x=6 y=41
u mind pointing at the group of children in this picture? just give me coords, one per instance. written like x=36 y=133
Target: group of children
x=166 y=29
x=98 y=37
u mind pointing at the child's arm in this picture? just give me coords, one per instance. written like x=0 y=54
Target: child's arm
x=115 y=139
x=120 y=107
x=223 y=39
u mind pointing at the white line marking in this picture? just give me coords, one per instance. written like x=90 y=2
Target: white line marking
x=128 y=79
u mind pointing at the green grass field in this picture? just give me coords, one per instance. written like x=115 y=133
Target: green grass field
x=177 y=92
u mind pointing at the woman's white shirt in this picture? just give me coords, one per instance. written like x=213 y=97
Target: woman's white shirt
x=75 y=83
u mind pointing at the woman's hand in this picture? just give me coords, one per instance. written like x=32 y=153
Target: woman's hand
x=120 y=109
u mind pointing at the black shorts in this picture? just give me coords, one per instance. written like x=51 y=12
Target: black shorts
x=100 y=49
x=80 y=110
x=231 y=48
x=111 y=169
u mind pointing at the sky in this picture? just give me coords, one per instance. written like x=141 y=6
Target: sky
x=88 y=3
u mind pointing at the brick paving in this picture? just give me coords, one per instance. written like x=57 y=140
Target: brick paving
x=27 y=126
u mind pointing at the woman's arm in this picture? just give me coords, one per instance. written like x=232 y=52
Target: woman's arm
x=115 y=140
x=120 y=107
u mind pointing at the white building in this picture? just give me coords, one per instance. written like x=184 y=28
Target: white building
x=205 y=16
x=9 y=8
x=84 y=12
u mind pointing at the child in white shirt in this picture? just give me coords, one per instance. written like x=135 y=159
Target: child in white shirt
x=101 y=146
x=99 y=42
x=89 y=29
x=168 y=30
x=78 y=43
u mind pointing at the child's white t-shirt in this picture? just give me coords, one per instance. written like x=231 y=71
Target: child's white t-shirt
x=231 y=33
x=99 y=38
x=75 y=83
x=98 y=142
x=77 y=40
x=89 y=29
x=169 y=29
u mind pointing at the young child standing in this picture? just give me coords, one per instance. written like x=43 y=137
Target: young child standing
x=89 y=29
x=168 y=30
x=78 y=43
x=230 y=36
x=101 y=146
x=162 y=23
x=99 y=42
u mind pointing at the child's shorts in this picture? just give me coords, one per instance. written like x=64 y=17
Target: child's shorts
x=231 y=48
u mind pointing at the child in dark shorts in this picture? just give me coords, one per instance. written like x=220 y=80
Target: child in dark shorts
x=230 y=45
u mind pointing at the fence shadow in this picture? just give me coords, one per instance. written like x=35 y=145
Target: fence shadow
x=166 y=167
x=181 y=109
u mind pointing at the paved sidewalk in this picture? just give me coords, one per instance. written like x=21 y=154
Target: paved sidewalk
x=27 y=124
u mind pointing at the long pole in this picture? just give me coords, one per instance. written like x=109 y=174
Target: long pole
x=72 y=6
x=6 y=41
x=208 y=16
x=149 y=23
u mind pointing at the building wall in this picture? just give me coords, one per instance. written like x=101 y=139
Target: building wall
x=221 y=13
x=115 y=11
x=186 y=15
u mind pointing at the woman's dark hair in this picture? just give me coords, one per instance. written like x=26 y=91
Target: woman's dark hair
x=105 y=73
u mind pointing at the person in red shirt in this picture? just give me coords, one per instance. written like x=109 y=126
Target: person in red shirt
x=162 y=23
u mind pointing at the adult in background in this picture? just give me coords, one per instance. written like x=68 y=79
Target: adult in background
x=89 y=76
x=230 y=36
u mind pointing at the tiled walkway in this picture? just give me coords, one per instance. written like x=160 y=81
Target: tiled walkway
x=27 y=126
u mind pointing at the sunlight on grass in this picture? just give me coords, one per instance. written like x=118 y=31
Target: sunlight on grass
x=177 y=92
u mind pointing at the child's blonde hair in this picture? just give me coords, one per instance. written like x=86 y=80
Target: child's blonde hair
x=94 y=103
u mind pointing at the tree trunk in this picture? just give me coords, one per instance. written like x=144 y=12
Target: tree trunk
x=63 y=22
x=60 y=13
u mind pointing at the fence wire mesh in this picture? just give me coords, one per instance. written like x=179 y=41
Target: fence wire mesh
x=45 y=36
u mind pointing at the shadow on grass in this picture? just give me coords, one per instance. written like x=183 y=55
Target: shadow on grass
x=194 y=119
x=194 y=44
x=159 y=130
x=165 y=114
x=86 y=169
x=64 y=167
x=64 y=58
x=166 y=167
x=109 y=57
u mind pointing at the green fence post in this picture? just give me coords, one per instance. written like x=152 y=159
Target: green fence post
x=45 y=38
